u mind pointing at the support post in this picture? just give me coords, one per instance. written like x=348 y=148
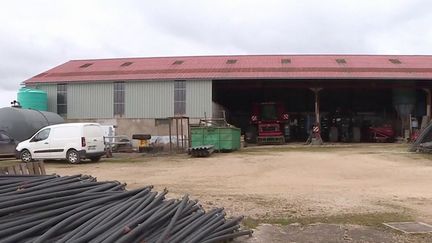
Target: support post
x=182 y=135
x=428 y=102
x=317 y=104
x=189 y=134
x=426 y=119
x=316 y=131
x=170 y=134
x=177 y=133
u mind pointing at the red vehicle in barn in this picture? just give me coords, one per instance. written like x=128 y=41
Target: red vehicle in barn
x=268 y=123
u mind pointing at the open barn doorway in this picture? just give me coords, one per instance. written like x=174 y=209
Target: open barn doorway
x=348 y=111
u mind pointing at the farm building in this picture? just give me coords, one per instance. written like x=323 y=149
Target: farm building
x=344 y=91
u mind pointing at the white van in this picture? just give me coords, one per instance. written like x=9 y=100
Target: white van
x=70 y=141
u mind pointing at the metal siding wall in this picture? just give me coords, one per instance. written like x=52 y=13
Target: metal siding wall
x=51 y=90
x=198 y=98
x=149 y=99
x=90 y=100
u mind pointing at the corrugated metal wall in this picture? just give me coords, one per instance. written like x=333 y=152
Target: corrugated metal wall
x=90 y=100
x=51 y=90
x=149 y=99
x=198 y=98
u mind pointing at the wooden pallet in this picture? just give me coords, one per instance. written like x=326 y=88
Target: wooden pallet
x=32 y=168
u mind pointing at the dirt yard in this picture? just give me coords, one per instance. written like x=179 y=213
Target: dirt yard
x=362 y=184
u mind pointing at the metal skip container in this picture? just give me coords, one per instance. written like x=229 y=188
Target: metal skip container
x=222 y=138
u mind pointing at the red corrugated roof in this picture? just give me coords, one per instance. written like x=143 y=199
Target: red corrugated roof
x=245 y=67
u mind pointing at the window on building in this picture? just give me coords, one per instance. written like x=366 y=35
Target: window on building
x=62 y=99
x=395 y=61
x=177 y=62
x=85 y=65
x=179 y=97
x=119 y=98
x=341 y=61
x=285 y=61
x=125 y=64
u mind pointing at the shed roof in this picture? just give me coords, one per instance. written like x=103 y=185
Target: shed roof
x=241 y=67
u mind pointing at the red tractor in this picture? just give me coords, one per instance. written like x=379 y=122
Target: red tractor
x=269 y=123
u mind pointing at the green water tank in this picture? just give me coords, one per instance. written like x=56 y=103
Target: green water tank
x=34 y=99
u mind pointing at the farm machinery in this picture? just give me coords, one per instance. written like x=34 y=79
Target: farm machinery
x=268 y=123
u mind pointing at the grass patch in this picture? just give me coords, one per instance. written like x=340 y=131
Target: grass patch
x=369 y=219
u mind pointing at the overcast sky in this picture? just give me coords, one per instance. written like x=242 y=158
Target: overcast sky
x=36 y=35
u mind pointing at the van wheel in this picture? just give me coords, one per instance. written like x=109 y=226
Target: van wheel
x=95 y=159
x=73 y=157
x=26 y=156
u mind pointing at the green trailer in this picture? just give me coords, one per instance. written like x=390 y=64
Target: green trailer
x=222 y=138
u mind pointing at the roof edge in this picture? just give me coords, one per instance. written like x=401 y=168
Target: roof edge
x=254 y=55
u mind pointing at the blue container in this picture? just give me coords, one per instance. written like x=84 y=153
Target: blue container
x=34 y=99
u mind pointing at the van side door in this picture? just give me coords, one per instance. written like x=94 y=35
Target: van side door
x=64 y=138
x=40 y=144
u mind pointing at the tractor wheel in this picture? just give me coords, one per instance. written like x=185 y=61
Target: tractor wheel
x=251 y=135
x=333 y=134
x=356 y=134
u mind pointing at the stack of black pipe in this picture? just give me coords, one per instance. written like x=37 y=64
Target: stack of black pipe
x=202 y=151
x=80 y=209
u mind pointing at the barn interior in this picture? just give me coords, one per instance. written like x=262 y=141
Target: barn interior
x=347 y=109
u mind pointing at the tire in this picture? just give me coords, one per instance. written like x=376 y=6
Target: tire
x=73 y=157
x=251 y=135
x=25 y=156
x=356 y=134
x=333 y=135
x=95 y=159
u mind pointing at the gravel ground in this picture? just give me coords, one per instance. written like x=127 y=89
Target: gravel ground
x=288 y=183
